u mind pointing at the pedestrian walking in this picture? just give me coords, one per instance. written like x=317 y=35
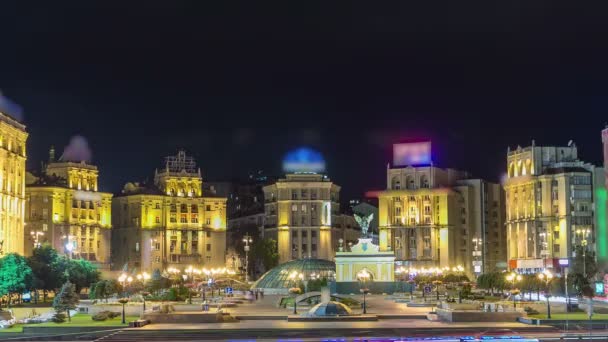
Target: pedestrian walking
x=256 y=294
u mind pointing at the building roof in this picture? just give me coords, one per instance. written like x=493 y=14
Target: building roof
x=278 y=277
x=558 y=170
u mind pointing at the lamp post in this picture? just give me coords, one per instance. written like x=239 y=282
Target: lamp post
x=513 y=278
x=294 y=277
x=125 y=280
x=247 y=240
x=143 y=277
x=583 y=233
x=363 y=277
x=35 y=236
x=188 y=274
x=547 y=277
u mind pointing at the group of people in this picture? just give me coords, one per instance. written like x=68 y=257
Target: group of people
x=257 y=294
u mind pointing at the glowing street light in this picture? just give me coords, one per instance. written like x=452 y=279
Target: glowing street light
x=364 y=276
x=513 y=277
x=247 y=240
x=547 y=276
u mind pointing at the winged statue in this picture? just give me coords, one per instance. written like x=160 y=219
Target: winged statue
x=364 y=222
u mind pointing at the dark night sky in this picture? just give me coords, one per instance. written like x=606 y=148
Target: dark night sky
x=238 y=86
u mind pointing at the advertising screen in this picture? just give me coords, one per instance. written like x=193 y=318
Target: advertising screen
x=412 y=154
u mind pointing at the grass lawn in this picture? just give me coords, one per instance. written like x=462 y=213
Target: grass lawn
x=78 y=320
x=571 y=316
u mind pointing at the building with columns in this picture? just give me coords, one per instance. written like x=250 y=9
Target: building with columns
x=171 y=222
x=435 y=217
x=12 y=183
x=65 y=208
x=550 y=198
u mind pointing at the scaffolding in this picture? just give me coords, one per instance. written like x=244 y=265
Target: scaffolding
x=180 y=162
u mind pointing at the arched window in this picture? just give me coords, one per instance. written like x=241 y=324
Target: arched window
x=409 y=183
x=395 y=183
x=424 y=182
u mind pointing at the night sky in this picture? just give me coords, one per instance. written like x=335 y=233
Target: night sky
x=240 y=85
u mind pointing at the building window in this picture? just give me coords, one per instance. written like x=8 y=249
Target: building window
x=556 y=248
x=45 y=213
x=427 y=220
x=294 y=234
x=173 y=218
x=208 y=234
x=194 y=246
x=157 y=206
x=157 y=246
x=45 y=227
x=208 y=221
x=313 y=247
x=208 y=258
x=194 y=208
x=294 y=195
x=303 y=208
x=184 y=218
x=194 y=218
x=157 y=259
x=304 y=233
x=183 y=208
x=137 y=246
x=294 y=207
x=427 y=210
x=208 y=247
x=313 y=234
x=173 y=207
x=157 y=219
x=208 y=207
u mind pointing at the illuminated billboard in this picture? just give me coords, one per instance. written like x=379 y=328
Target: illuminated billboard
x=303 y=160
x=412 y=154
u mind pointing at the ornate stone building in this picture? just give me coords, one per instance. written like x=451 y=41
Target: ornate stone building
x=550 y=205
x=303 y=215
x=170 y=223
x=434 y=217
x=65 y=208
x=12 y=184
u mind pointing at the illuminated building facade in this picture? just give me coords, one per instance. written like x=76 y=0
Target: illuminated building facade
x=303 y=215
x=550 y=205
x=434 y=217
x=170 y=223
x=65 y=208
x=12 y=183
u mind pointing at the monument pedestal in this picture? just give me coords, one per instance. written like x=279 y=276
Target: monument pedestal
x=365 y=256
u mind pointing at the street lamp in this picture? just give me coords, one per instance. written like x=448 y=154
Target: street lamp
x=294 y=277
x=125 y=280
x=364 y=276
x=247 y=240
x=583 y=233
x=36 y=235
x=143 y=277
x=513 y=278
x=547 y=276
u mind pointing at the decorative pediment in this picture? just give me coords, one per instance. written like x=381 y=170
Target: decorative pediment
x=365 y=246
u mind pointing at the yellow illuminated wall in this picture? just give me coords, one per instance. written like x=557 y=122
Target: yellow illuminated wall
x=59 y=214
x=12 y=185
x=169 y=224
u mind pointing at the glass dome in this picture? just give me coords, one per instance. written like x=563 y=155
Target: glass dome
x=281 y=278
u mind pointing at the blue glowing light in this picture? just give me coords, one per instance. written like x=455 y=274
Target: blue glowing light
x=303 y=160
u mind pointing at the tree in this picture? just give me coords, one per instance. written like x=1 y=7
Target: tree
x=266 y=252
x=66 y=299
x=81 y=273
x=493 y=281
x=158 y=282
x=103 y=289
x=43 y=263
x=584 y=269
x=15 y=275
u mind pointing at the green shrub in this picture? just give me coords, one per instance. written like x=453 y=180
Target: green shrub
x=59 y=317
x=101 y=316
x=530 y=311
